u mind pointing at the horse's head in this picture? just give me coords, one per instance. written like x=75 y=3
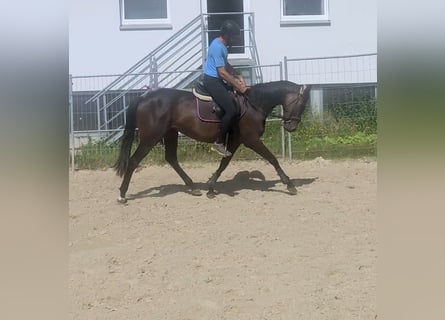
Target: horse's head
x=293 y=107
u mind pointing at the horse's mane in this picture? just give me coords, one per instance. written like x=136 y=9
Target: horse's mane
x=270 y=94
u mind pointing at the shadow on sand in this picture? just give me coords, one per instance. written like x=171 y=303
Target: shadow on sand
x=243 y=180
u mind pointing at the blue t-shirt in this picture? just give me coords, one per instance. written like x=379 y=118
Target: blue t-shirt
x=216 y=57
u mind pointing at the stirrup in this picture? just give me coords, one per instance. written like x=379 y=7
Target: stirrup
x=220 y=148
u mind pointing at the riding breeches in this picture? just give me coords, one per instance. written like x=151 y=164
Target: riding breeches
x=222 y=97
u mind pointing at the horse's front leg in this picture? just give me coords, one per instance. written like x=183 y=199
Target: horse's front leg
x=232 y=147
x=263 y=151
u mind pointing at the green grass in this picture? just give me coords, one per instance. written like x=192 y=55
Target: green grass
x=99 y=155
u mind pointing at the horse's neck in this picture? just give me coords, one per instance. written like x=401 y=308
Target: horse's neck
x=268 y=109
x=272 y=100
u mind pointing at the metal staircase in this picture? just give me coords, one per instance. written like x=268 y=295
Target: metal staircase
x=176 y=63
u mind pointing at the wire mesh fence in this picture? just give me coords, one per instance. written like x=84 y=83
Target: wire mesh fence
x=351 y=69
x=340 y=119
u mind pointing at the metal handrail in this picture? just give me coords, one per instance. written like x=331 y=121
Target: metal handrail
x=179 y=74
x=147 y=57
x=109 y=103
x=178 y=50
x=130 y=84
x=173 y=54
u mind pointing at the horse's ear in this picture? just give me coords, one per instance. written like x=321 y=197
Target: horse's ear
x=304 y=89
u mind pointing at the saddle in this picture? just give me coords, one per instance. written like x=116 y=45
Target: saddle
x=207 y=110
x=201 y=92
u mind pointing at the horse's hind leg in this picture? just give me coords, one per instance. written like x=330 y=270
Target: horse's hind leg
x=262 y=150
x=141 y=151
x=171 y=148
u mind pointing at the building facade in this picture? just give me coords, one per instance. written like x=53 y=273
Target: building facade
x=109 y=36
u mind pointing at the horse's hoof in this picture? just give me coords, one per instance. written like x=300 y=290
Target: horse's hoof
x=121 y=200
x=292 y=190
x=196 y=192
x=211 y=194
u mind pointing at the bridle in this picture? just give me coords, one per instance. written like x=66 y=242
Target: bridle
x=283 y=118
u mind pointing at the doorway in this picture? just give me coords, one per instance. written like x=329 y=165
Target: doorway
x=215 y=21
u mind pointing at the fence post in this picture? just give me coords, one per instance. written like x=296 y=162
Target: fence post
x=98 y=115
x=70 y=108
x=286 y=76
x=124 y=107
x=283 y=137
x=289 y=137
x=104 y=98
x=154 y=76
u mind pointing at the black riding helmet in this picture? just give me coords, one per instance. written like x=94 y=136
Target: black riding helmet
x=230 y=28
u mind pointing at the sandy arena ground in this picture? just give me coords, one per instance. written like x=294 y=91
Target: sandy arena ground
x=253 y=252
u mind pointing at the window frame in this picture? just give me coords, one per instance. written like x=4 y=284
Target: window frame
x=322 y=19
x=144 y=24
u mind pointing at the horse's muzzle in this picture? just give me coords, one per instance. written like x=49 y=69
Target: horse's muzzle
x=290 y=125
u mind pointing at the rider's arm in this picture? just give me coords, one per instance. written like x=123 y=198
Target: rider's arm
x=232 y=80
x=235 y=73
x=231 y=70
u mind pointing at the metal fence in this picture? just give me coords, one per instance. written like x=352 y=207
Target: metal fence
x=350 y=69
x=341 y=80
x=91 y=121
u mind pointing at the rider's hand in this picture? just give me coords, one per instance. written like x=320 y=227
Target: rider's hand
x=242 y=88
x=241 y=80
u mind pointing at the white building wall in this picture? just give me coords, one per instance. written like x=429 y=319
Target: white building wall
x=353 y=30
x=98 y=46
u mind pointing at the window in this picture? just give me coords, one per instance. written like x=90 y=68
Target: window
x=144 y=14
x=304 y=12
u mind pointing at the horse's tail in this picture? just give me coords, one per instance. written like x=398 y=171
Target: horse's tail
x=121 y=164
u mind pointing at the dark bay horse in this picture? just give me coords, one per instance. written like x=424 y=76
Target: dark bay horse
x=162 y=113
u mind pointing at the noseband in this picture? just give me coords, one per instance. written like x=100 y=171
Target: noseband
x=290 y=119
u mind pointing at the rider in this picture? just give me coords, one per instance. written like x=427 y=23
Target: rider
x=217 y=69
